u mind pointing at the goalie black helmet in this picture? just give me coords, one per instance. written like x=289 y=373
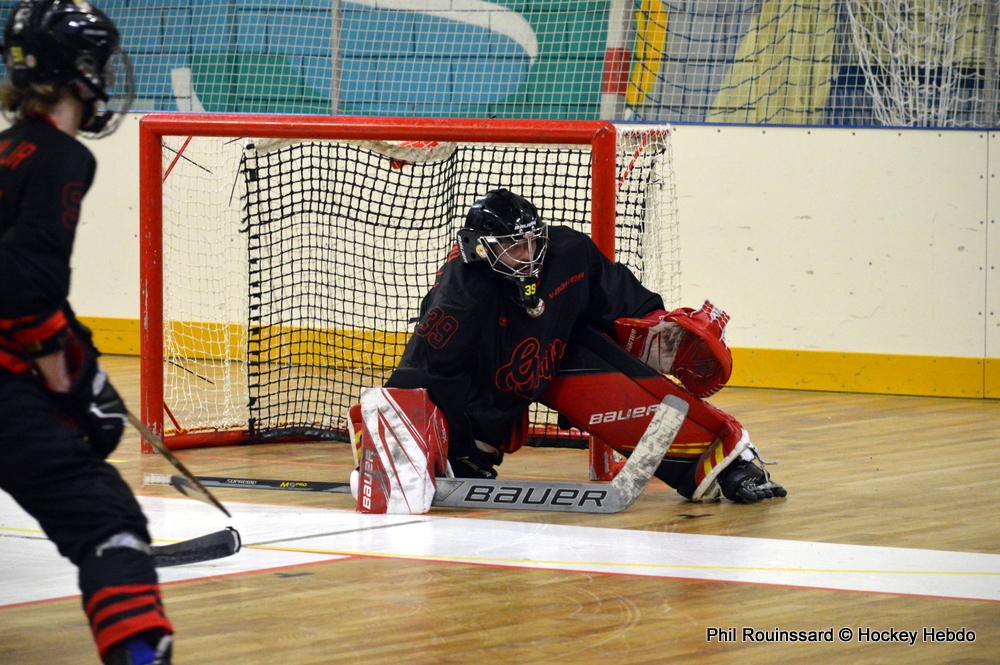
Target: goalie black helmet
x=505 y=230
x=71 y=43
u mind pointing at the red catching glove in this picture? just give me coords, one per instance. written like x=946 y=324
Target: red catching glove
x=686 y=343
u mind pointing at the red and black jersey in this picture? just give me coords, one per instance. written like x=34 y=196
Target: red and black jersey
x=44 y=175
x=484 y=359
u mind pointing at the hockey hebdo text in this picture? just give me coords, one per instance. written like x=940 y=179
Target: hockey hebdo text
x=853 y=634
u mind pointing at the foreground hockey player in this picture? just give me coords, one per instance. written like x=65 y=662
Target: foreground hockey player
x=522 y=312
x=60 y=417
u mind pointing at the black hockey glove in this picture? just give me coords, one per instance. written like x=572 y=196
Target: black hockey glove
x=473 y=462
x=92 y=402
x=101 y=410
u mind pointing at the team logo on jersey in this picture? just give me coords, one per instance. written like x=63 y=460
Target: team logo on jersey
x=530 y=365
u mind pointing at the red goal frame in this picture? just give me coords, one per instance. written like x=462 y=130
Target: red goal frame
x=154 y=127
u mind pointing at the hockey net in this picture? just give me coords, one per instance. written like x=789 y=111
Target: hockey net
x=911 y=56
x=284 y=259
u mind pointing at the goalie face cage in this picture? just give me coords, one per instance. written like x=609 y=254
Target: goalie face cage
x=281 y=274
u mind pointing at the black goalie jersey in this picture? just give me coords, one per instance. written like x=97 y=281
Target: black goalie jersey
x=484 y=359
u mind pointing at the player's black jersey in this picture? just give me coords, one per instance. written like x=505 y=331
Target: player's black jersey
x=44 y=174
x=484 y=359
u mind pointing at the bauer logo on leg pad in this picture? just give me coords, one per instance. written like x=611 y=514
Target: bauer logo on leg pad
x=404 y=446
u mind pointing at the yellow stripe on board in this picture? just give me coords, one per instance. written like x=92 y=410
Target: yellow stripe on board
x=284 y=344
x=273 y=344
x=992 y=381
x=888 y=374
x=115 y=336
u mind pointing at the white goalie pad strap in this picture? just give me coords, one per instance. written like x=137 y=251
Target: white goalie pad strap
x=653 y=340
x=714 y=461
x=404 y=443
x=664 y=340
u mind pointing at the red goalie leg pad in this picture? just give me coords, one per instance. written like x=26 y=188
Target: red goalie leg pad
x=603 y=390
x=404 y=447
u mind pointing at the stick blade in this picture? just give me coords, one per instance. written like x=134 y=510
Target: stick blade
x=209 y=547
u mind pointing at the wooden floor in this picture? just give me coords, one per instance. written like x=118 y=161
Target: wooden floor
x=860 y=469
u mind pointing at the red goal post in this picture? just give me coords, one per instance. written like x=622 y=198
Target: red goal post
x=165 y=146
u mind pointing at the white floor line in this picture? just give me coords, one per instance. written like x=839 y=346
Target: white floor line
x=34 y=571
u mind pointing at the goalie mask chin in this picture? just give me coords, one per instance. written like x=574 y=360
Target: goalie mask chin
x=505 y=231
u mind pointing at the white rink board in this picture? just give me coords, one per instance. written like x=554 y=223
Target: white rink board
x=992 y=265
x=778 y=225
x=837 y=239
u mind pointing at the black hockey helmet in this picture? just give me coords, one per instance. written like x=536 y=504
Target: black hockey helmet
x=505 y=231
x=71 y=43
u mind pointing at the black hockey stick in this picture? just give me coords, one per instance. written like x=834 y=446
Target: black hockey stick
x=555 y=496
x=203 y=548
x=248 y=483
x=192 y=488
x=550 y=495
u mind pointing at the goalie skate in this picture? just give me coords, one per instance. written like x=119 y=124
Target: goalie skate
x=727 y=469
x=745 y=482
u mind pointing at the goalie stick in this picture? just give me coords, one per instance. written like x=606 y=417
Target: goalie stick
x=555 y=496
x=613 y=497
x=203 y=548
x=192 y=488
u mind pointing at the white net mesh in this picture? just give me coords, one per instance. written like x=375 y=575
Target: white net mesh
x=819 y=62
x=911 y=57
x=293 y=270
x=205 y=286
